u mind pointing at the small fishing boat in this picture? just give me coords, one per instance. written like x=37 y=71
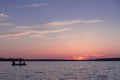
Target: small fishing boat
x=20 y=62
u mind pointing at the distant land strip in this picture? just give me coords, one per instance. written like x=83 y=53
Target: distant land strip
x=100 y=59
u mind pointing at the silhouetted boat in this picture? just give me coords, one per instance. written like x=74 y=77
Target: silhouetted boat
x=20 y=62
x=17 y=64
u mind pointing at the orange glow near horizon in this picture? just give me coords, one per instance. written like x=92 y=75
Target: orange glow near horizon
x=78 y=58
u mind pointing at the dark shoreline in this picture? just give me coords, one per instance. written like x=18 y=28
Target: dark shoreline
x=101 y=59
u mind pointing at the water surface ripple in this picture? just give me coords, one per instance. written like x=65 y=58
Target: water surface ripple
x=61 y=71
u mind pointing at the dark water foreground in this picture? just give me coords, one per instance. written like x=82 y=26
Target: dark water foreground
x=61 y=71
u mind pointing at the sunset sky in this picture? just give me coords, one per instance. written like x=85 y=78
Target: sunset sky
x=59 y=29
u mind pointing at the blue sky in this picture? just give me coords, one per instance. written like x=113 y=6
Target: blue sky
x=71 y=26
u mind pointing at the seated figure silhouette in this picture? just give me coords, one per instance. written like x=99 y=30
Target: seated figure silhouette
x=13 y=62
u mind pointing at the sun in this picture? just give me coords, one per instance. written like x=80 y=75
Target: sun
x=78 y=58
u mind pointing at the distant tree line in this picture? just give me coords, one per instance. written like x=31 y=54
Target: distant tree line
x=101 y=59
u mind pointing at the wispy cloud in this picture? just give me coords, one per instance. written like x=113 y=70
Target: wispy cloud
x=43 y=28
x=63 y=23
x=13 y=34
x=32 y=5
x=6 y=24
x=69 y=22
x=3 y=16
x=2 y=22
x=92 y=21
x=8 y=34
x=52 y=31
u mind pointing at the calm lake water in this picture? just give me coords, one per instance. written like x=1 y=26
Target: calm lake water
x=61 y=71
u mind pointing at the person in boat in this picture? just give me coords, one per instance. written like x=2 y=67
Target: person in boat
x=13 y=62
x=24 y=63
x=20 y=60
